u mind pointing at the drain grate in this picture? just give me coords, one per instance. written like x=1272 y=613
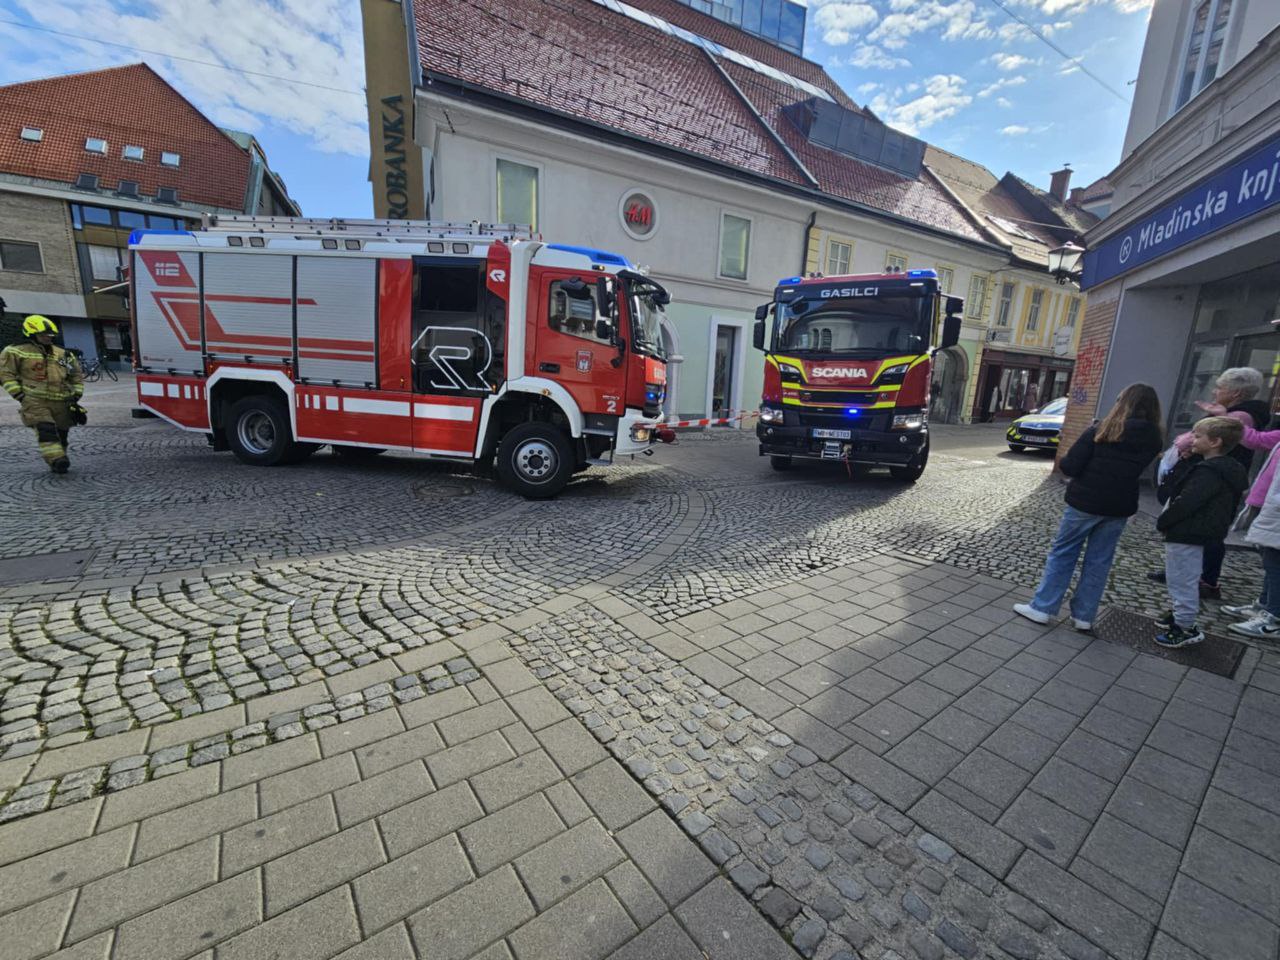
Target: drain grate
x=1220 y=655
x=39 y=567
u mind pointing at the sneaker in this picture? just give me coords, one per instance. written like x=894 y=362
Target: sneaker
x=1084 y=626
x=1157 y=575
x=61 y=465
x=1177 y=636
x=1166 y=622
x=1245 y=611
x=1031 y=613
x=1210 y=591
x=1263 y=626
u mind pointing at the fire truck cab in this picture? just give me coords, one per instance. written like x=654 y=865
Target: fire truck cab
x=471 y=342
x=847 y=368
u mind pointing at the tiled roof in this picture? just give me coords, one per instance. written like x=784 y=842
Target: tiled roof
x=1072 y=217
x=582 y=59
x=122 y=105
x=1097 y=190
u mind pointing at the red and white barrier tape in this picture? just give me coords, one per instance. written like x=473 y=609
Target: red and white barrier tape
x=739 y=415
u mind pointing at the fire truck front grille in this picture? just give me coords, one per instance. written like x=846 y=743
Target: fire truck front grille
x=836 y=396
x=842 y=421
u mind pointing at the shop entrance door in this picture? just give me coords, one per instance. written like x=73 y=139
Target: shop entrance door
x=1262 y=352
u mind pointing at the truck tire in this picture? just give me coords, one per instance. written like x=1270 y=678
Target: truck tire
x=535 y=460
x=780 y=462
x=258 y=432
x=914 y=470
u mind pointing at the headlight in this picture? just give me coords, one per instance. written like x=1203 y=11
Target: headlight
x=639 y=433
x=908 y=421
x=894 y=374
x=770 y=415
x=790 y=372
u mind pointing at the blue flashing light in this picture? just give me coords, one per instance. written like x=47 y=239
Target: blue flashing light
x=932 y=274
x=597 y=256
x=137 y=235
x=853 y=411
x=789 y=281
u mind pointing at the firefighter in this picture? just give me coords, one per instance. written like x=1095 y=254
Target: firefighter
x=45 y=379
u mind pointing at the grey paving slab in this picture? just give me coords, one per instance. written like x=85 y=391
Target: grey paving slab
x=725 y=927
x=274 y=836
x=566 y=862
x=316 y=928
x=987 y=846
x=47 y=874
x=276 y=758
x=1235 y=871
x=36 y=930
x=429 y=818
x=464 y=922
x=1214 y=926
x=636 y=894
x=380 y=793
x=392 y=943
x=515 y=780
x=467 y=759
x=409 y=883
x=589 y=925
x=303 y=783
x=204 y=818
x=667 y=858
x=664 y=938
x=25 y=838
x=612 y=794
x=202 y=919
x=158 y=796
x=501 y=837
x=358 y=732
x=311 y=870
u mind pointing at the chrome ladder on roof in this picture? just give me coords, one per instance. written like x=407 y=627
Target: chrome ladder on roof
x=348 y=227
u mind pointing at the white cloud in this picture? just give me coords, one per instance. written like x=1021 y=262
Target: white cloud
x=318 y=41
x=1015 y=130
x=1015 y=81
x=1133 y=6
x=943 y=97
x=840 y=22
x=868 y=88
x=1008 y=62
x=1004 y=102
x=956 y=19
x=869 y=57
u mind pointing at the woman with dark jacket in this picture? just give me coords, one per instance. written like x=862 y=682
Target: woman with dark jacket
x=1104 y=467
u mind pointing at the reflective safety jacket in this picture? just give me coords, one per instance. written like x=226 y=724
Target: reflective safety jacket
x=52 y=373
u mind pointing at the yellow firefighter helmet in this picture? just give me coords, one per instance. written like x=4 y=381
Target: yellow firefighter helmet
x=35 y=324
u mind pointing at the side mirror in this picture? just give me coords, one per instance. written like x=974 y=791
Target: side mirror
x=757 y=335
x=762 y=311
x=954 y=306
x=604 y=330
x=950 y=332
x=604 y=296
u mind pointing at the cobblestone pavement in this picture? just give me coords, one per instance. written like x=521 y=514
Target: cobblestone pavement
x=394 y=709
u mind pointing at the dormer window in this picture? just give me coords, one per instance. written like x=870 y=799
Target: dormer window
x=33 y=134
x=132 y=152
x=170 y=159
x=95 y=145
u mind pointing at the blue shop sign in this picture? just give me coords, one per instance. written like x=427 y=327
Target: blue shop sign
x=1246 y=187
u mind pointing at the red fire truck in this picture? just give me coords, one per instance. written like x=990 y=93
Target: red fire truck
x=463 y=342
x=847 y=366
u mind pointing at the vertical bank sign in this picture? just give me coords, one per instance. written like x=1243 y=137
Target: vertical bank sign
x=1248 y=186
x=395 y=180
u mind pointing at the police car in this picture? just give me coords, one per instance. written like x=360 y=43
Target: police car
x=1040 y=428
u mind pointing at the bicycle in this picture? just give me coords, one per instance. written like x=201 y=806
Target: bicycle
x=94 y=369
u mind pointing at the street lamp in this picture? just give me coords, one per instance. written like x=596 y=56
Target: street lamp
x=1064 y=261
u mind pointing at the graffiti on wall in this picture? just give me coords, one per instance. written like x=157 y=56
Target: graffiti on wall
x=1088 y=372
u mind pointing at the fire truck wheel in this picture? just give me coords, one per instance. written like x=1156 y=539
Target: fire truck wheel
x=535 y=460
x=914 y=470
x=258 y=432
x=779 y=462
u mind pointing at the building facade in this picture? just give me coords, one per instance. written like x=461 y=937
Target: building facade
x=85 y=160
x=1183 y=276
x=718 y=161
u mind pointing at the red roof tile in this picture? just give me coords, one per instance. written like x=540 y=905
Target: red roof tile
x=586 y=61
x=122 y=105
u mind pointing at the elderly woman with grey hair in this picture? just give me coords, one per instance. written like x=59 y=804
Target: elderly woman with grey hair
x=1235 y=394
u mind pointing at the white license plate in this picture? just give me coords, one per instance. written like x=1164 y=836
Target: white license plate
x=820 y=434
x=1035 y=440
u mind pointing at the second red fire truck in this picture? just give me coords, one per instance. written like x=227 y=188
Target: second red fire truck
x=461 y=342
x=847 y=368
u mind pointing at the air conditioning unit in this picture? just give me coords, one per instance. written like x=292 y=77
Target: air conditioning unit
x=167 y=195
x=86 y=181
x=127 y=188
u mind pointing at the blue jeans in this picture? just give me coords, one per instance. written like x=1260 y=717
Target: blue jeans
x=1270 y=598
x=1101 y=534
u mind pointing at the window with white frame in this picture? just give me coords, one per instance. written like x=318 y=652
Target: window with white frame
x=33 y=134
x=976 y=305
x=1005 y=307
x=1033 y=310
x=19 y=256
x=104 y=262
x=95 y=145
x=839 y=255
x=169 y=159
x=894 y=262
x=517 y=193
x=1207 y=31
x=735 y=246
x=132 y=151
x=946 y=279
x=1073 y=312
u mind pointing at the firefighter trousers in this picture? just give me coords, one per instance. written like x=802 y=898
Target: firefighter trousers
x=51 y=420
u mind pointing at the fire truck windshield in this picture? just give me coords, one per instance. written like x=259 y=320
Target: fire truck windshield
x=855 y=326
x=644 y=302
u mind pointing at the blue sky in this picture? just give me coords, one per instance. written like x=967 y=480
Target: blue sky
x=961 y=73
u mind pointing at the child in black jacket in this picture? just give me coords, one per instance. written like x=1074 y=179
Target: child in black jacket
x=1202 y=494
